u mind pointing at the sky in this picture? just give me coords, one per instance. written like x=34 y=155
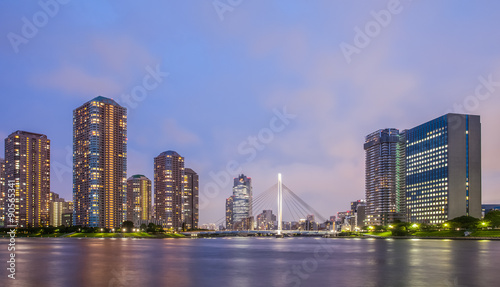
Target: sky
x=253 y=87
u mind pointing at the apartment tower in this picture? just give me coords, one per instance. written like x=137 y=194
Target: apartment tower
x=100 y=163
x=169 y=185
x=27 y=164
x=138 y=198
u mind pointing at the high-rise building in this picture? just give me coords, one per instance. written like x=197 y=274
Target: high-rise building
x=58 y=210
x=229 y=212
x=358 y=215
x=381 y=149
x=190 y=198
x=53 y=196
x=27 y=163
x=169 y=185
x=100 y=163
x=242 y=198
x=3 y=194
x=443 y=169
x=138 y=199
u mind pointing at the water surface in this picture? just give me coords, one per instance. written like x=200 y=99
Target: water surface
x=252 y=262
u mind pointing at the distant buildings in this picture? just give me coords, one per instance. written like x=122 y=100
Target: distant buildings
x=485 y=208
x=27 y=163
x=138 y=199
x=61 y=212
x=100 y=163
x=358 y=214
x=169 y=186
x=429 y=174
x=310 y=223
x=190 y=198
x=266 y=220
x=229 y=212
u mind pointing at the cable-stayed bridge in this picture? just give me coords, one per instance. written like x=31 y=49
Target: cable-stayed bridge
x=293 y=214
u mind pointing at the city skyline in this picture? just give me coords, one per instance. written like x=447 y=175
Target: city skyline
x=214 y=85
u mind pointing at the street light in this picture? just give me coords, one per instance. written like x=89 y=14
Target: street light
x=414 y=225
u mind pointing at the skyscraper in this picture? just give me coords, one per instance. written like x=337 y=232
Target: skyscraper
x=380 y=177
x=27 y=163
x=190 y=198
x=443 y=169
x=169 y=185
x=229 y=212
x=357 y=214
x=3 y=194
x=138 y=198
x=242 y=198
x=100 y=163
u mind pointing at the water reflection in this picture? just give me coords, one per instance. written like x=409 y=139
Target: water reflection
x=254 y=262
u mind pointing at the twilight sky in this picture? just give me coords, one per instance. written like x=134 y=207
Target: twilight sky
x=260 y=86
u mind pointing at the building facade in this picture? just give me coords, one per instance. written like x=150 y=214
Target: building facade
x=190 y=198
x=169 y=186
x=229 y=212
x=3 y=193
x=266 y=220
x=100 y=163
x=59 y=211
x=381 y=151
x=27 y=164
x=138 y=199
x=242 y=199
x=358 y=214
x=443 y=169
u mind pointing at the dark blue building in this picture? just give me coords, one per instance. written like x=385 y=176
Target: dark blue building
x=443 y=169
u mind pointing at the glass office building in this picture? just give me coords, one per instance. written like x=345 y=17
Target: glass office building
x=443 y=169
x=242 y=198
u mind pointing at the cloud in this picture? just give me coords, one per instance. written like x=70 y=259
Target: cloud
x=106 y=66
x=174 y=133
x=75 y=81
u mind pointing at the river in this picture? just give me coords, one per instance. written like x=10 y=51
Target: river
x=252 y=262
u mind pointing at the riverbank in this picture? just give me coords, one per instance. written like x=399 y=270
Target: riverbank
x=442 y=234
x=99 y=235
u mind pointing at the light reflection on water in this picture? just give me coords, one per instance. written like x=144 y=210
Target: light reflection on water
x=252 y=262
